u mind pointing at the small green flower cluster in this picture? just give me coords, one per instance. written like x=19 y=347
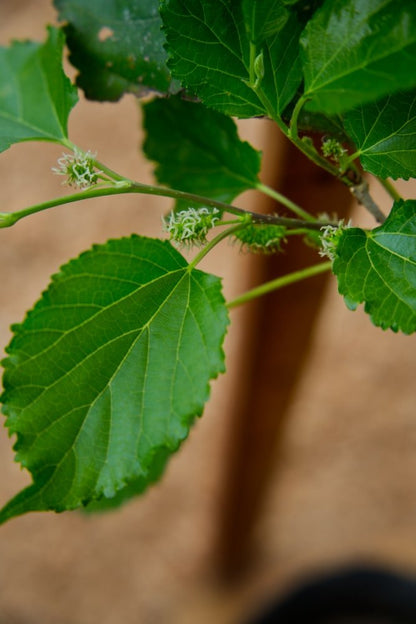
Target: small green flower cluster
x=330 y=235
x=331 y=148
x=78 y=168
x=261 y=238
x=191 y=226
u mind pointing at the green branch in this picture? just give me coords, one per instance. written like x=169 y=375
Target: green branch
x=8 y=219
x=212 y=203
x=125 y=186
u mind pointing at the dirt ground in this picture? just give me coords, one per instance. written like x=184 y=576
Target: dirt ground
x=344 y=488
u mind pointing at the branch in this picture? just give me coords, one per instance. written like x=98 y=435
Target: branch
x=362 y=195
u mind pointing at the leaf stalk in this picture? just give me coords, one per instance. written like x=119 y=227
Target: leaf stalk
x=213 y=242
x=279 y=282
x=390 y=188
x=303 y=214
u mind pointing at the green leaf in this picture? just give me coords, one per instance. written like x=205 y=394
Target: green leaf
x=309 y=121
x=35 y=95
x=264 y=19
x=357 y=51
x=385 y=134
x=198 y=150
x=116 y=46
x=108 y=371
x=134 y=487
x=378 y=267
x=212 y=55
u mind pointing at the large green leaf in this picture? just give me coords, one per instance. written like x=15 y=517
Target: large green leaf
x=378 y=267
x=210 y=53
x=357 y=51
x=35 y=95
x=385 y=134
x=117 y=47
x=198 y=150
x=107 y=372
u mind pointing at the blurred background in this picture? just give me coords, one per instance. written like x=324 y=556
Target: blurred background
x=304 y=460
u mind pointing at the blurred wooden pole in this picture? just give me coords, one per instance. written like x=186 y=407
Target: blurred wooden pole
x=279 y=330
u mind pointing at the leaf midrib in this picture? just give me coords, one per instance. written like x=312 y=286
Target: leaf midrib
x=140 y=331
x=72 y=446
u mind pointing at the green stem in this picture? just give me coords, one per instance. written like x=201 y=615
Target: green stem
x=296 y=276
x=206 y=201
x=113 y=175
x=230 y=222
x=104 y=178
x=285 y=201
x=213 y=242
x=352 y=157
x=270 y=112
x=10 y=218
x=124 y=186
x=293 y=128
x=213 y=203
x=297 y=232
x=136 y=187
x=307 y=147
x=390 y=188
